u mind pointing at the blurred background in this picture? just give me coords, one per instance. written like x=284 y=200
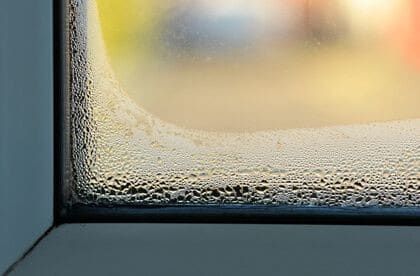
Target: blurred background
x=247 y=65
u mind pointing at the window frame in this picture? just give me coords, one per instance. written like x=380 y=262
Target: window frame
x=229 y=213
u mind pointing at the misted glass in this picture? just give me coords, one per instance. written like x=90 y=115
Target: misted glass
x=278 y=102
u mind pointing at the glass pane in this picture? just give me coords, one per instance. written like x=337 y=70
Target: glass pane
x=292 y=102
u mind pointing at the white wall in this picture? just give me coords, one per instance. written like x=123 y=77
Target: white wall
x=26 y=190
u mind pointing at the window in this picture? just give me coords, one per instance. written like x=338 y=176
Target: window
x=265 y=107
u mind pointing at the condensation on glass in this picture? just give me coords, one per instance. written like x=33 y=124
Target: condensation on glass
x=293 y=102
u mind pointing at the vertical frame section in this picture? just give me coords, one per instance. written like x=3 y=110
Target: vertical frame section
x=62 y=162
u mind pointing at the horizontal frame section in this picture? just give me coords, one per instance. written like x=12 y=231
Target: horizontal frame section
x=242 y=214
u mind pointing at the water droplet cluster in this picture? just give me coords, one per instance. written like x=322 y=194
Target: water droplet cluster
x=121 y=154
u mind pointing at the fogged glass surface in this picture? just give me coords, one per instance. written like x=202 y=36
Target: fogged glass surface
x=291 y=102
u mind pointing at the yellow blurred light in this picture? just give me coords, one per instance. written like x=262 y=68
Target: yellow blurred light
x=351 y=74
x=368 y=14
